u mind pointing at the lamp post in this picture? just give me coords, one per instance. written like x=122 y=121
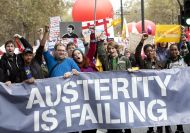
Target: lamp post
x=181 y=11
x=142 y=15
x=121 y=2
x=95 y=5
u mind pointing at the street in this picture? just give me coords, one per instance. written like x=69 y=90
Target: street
x=143 y=130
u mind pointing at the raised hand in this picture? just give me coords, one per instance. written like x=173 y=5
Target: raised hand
x=17 y=36
x=46 y=28
x=144 y=36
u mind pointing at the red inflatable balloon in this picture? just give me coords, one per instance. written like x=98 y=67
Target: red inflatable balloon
x=83 y=10
x=150 y=27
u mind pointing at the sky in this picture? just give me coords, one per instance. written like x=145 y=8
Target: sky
x=116 y=3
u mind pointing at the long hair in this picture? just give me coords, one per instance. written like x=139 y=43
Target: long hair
x=85 y=63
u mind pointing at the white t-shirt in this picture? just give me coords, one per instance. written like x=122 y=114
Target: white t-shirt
x=178 y=64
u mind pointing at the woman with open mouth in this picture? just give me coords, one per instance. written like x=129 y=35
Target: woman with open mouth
x=85 y=62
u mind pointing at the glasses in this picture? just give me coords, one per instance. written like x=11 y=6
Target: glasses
x=59 y=50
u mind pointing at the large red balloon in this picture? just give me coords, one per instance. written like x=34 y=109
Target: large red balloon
x=150 y=27
x=83 y=10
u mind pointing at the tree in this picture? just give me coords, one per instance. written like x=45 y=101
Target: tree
x=162 y=11
x=26 y=16
x=133 y=11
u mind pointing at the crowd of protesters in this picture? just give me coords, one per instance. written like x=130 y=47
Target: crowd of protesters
x=68 y=60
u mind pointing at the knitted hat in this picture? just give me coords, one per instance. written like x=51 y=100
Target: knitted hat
x=78 y=50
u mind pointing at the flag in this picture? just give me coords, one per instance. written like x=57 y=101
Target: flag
x=115 y=22
x=102 y=26
x=134 y=28
x=125 y=32
x=98 y=64
x=19 y=45
x=168 y=33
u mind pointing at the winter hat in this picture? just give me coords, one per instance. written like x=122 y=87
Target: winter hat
x=28 y=50
x=78 y=50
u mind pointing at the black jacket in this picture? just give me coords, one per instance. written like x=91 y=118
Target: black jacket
x=35 y=66
x=13 y=67
x=1 y=75
x=146 y=63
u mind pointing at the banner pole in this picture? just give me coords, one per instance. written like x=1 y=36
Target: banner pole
x=142 y=15
x=121 y=2
x=95 y=14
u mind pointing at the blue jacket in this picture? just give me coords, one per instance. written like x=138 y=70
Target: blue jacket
x=65 y=66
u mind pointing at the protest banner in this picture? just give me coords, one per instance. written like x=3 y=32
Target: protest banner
x=168 y=33
x=134 y=40
x=107 y=100
x=71 y=29
x=54 y=32
x=54 y=28
x=102 y=26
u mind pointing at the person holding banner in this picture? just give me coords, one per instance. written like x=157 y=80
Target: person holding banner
x=130 y=56
x=184 y=48
x=31 y=65
x=112 y=62
x=111 y=58
x=70 y=47
x=1 y=75
x=150 y=62
x=85 y=63
x=58 y=64
x=11 y=62
x=176 y=61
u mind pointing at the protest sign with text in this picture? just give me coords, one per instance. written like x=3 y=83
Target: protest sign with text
x=107 y=100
